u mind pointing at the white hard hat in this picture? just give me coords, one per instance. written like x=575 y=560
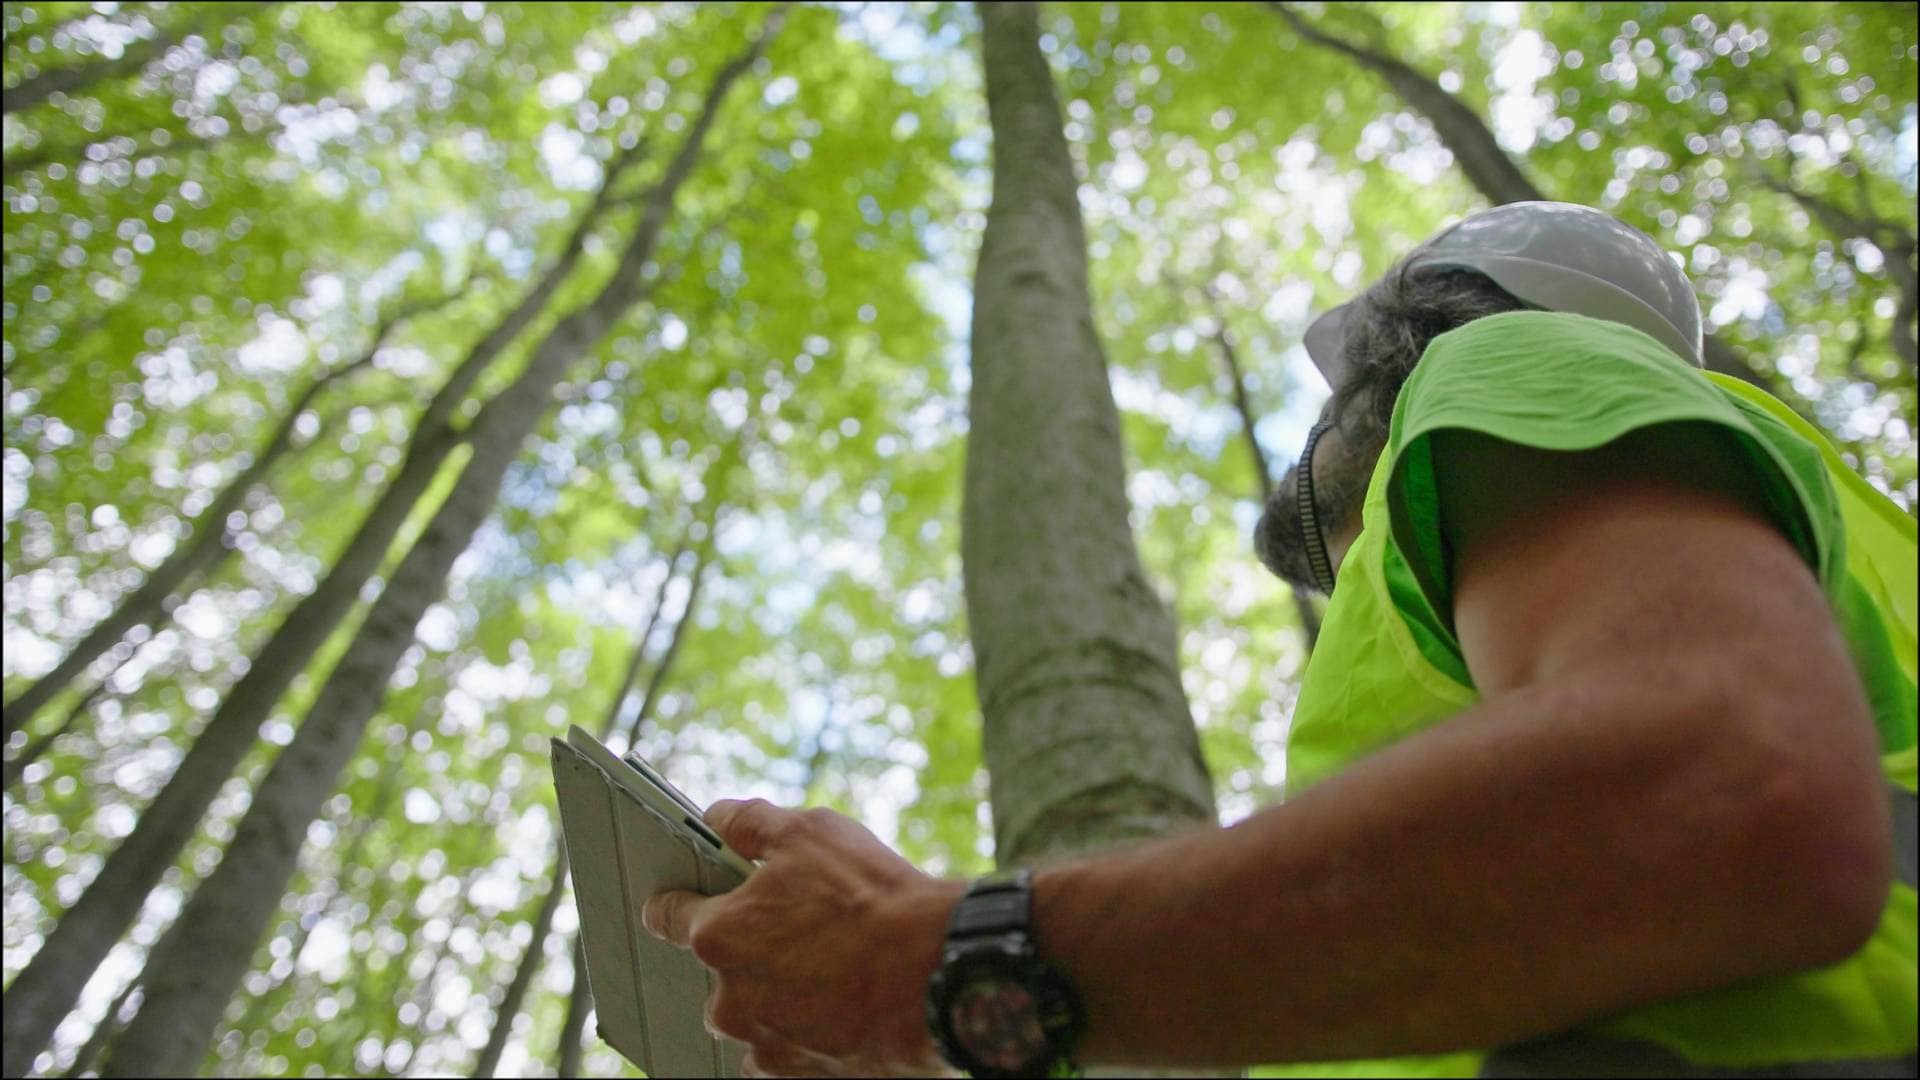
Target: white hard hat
x=1557 y=257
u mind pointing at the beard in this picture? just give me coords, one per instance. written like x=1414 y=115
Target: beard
x=1280 y=539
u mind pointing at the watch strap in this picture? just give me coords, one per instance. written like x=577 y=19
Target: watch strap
x=996 y=904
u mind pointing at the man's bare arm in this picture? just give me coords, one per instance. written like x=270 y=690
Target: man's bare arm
x=1670 y=785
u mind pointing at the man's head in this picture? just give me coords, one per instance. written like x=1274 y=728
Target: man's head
x=1387 y=329
x=1551 y=256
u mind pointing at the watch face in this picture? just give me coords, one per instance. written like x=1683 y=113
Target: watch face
x=998 y=1023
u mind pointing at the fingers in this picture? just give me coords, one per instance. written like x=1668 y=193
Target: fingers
x=669 y=915
x=786 y=1061
x=754 y=1063
x=752 y=827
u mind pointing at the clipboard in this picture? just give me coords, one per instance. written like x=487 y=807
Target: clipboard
x=631 y=834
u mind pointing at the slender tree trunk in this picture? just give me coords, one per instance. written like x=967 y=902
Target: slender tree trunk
x=196 y=966
x=17 y=768
x=1262 y=471
x=44 y=992
x=78 y=77
x=210 y=541
x=424 y=993
x=516 y=993
x=639 y=657
x=651 y=697
x=510 y=1003
x=371 y=816
x=580 y=999
x=579 y=1004
x=1473 y=145
x=1088 y=735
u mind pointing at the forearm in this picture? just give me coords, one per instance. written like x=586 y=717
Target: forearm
x=1548 y=856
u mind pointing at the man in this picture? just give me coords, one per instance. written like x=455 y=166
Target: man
x=1667 y=822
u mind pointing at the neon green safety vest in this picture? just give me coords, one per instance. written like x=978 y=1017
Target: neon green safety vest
x=1387 y=665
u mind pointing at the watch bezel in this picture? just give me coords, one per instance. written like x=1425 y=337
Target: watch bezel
x=1057 y=1009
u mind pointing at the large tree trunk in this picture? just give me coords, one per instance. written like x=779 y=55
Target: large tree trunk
x=366 y=820
x=1473 y=145
x=1088 y=736
x=196 y=966
x=209 y=543
x=52 y=981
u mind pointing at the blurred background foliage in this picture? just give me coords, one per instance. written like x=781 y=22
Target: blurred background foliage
x=737 y=530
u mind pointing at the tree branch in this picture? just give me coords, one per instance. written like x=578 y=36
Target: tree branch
x=1896 y=242
x=78 y=77
x=1487 y=166
x=17 y=768
x=207 y=545
x=1471 y=141
x=1263 y=472
x=650 y=698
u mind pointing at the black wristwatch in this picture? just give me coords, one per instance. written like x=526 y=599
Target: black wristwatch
x=996 y=1008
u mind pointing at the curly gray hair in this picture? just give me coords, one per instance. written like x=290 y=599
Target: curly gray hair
x=1387 y=332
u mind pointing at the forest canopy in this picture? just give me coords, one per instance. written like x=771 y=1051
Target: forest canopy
x=389 y=385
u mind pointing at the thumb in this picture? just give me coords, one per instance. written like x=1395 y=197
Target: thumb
x=669 y=915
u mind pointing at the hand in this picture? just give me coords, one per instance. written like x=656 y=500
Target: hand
x=823 y=955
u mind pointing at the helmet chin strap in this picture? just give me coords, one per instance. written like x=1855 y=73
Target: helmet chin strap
x=1317 y=558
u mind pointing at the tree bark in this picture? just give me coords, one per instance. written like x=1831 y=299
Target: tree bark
x=1088 y=736
x=47 y=988
x=200 y=960
x=1465 y=135
x=209 y=542
x=77 y=77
